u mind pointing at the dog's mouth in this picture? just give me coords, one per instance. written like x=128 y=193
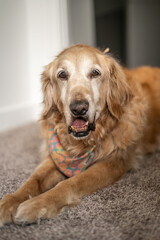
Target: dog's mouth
x=81 y=127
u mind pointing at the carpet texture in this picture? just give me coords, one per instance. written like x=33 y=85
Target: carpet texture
x=130 y=209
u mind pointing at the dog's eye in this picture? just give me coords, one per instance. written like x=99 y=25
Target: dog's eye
x=95 y=73
x=63 y=75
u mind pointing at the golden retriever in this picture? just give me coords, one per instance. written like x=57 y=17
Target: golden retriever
x=97 y=119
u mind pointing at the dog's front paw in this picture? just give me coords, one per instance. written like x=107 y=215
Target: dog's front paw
x=8 y=208
x=35 y=209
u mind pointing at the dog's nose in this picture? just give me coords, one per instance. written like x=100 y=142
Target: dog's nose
x=79 y=108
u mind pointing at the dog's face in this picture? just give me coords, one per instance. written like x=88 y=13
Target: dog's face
x=79 y=76
x=79 y=83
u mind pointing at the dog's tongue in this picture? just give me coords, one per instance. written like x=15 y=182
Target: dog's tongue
x=79 y=123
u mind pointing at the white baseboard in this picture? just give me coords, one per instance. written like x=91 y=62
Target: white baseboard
x=14 y=116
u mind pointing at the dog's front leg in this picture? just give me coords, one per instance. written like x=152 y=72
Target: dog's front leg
x=44 y=177
x=69 y=192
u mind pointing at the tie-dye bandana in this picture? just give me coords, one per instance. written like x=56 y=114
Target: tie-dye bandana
x=68 y=165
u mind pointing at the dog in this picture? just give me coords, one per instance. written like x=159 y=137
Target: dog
x=98 y=118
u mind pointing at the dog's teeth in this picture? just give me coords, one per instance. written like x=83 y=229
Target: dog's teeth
x=79 y=129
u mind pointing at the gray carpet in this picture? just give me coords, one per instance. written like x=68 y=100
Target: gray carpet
x=130 y=209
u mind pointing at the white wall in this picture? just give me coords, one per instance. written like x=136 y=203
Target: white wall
x=32 y=33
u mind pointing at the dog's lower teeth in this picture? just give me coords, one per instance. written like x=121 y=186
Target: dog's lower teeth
x=79 y=129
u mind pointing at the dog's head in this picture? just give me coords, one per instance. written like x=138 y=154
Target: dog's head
x=79 y=84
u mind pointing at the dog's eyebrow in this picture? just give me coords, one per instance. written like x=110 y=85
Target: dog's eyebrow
x=60 y=69
x=66 y=65
x=96 y=66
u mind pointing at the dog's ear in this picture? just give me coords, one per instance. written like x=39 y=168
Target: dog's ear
x=118 y=89
x=48 y=92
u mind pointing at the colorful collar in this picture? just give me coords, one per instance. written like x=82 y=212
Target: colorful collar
x=67 y=164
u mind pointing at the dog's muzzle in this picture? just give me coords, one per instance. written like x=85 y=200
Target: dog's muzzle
x=80 y=125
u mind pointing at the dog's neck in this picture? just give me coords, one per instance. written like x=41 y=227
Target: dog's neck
x=69 y=165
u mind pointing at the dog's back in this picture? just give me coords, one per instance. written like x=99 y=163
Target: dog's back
x=149 y=79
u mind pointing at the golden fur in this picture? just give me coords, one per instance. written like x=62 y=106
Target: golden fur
x=125 y=105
